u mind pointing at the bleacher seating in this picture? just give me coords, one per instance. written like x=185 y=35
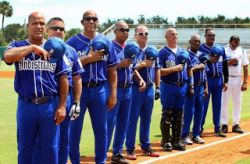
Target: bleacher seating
x=157 y=35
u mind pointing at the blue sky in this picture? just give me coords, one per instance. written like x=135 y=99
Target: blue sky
x=71 y=10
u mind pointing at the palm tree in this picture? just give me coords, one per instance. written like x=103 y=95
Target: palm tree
x=6 y=10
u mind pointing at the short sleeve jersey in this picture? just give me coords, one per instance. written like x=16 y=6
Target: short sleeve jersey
x=36 y=77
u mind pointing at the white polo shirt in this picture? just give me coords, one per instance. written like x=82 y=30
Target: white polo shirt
x=240 y=54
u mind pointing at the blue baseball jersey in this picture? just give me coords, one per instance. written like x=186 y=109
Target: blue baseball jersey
x=125 y=74
x=167 y=59
x=94 y=72
x=75 y=63
x=200 y=75
x=148 y=74
x=36 y=77
x=213 y=69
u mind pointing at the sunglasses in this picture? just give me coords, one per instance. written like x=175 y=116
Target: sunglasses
x=123 y=29
x=55 y=28
x=210 y=35
x=142 y=33
x=94 y=19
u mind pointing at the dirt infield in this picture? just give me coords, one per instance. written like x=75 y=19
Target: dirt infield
x=7 y=74
x=216 y=150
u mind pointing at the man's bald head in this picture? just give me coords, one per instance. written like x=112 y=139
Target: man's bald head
x=195 y=37
x=88 y=13
x=195 y=41
x=36 y=27
x=169 y=31
x=171 y=36
x=35 y=15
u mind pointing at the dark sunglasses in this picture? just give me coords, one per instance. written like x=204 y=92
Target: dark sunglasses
x=55 y=28
x=142 y=33
x=210 y=35
x=123 y=29
x=90 y=18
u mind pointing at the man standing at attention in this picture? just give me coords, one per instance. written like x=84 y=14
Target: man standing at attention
x=194 y=105
x=142 y=99
x=216 y=68
x=176 y=79
x=56 y=28
x=36 y=82
x=98 y=81
x=237 y=58
x=118 y=116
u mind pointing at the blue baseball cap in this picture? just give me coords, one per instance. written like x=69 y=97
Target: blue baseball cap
x=216 y=51
x=131 y=50
x=203 y=58
x=56 y=47
x=182 y=57
x=100 y=44
x=151 y=53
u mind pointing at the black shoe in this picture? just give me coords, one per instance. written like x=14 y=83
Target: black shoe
x=179 y=146
x=150 y=152
x=167 y=146
x=220 y=134
x=118 y=159
x=236 y=129
x=224 y=128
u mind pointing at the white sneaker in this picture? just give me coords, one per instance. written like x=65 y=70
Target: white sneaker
x=198 y=140
x=187 y=141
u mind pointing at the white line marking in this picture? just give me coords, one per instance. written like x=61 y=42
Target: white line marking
x=194 y=149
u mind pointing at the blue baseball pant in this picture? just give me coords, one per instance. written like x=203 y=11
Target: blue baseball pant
x=142 y=105
x=94 y=99
x=215 y=86
x=64 y=132
x=118 y=118
x=194 y=106
x=37 y=121
x=173 y=97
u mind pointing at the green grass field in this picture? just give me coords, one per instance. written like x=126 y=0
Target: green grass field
x=4 y=67
x=8 y=103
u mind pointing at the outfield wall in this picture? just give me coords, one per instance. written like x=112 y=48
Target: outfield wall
x=157 y=35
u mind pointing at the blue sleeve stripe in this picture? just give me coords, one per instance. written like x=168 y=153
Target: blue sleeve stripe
x=110 y=65
x=77 y=72
x=64 y=71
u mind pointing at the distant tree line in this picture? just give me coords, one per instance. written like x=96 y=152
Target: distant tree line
x=17 y=31
x=219 y=22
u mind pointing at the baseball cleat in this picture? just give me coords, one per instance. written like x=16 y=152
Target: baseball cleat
x=131 y=155
x=236 y=129
x=224 y=128
x=149 y=152
x=187 y=141
x=220 y=134
x=198 y=140
x=118 y=159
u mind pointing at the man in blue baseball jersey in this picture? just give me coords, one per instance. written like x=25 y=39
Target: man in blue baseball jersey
x=56 y=28
x=176 y=79
x=142 y=98
x=118 y=116
x=216 y=68
x=99 y=83
x=194 y=104
x=38 y=84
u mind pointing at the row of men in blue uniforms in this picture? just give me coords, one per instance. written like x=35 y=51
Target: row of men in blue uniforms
x=118 y=91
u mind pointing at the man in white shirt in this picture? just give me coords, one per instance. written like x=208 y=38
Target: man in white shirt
x=237 y=59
